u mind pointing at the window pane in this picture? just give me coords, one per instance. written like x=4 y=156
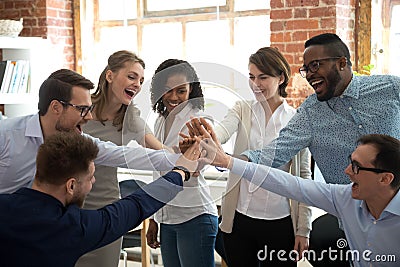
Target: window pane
x=206 y=45
x=159 y=5
x=160 y=41
x=111 y=40
x=117 y=9
x=241 y=5
x=249 y=37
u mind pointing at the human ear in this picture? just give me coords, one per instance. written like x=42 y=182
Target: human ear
x=56 y=107
x=70 y=185
x=387 y=178
x=109 y=76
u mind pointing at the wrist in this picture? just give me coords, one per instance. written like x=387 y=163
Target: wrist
x=182 y=170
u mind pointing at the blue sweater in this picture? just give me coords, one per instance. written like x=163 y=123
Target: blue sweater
x=36 y=229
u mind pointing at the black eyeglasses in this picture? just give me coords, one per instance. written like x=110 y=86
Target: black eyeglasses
x=83 y=109
x=313 y=66
x=356 y=168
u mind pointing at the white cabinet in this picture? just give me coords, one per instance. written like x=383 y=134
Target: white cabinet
x=37 y=52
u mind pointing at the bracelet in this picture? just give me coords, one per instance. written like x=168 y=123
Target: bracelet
x=186 y=171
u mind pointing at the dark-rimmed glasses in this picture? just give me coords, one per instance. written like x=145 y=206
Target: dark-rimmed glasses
x=83 y=109
x=313 y=66
x=356 y=168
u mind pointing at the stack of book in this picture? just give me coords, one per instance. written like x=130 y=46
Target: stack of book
x=14 y=76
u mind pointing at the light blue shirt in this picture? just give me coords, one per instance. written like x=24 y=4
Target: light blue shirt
x=21 y=137
x=330 y=129
x=371 y=239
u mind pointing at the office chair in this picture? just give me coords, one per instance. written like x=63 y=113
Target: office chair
x=136 y=238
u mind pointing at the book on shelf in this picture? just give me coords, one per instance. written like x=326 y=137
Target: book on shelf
x=7 y=77
x=16 y=77
x=3 y=65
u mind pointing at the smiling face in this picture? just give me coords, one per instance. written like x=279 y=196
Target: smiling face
x=326 y=81
x=366 y=183
x=125 y=83
x=264 y=87
x=70 y=118
x=178 y=90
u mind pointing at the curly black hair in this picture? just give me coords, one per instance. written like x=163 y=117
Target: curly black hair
x=165 y=70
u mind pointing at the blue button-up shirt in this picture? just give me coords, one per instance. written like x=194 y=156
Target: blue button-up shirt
x=330 y=129
x=21 y=137
x=373 y=242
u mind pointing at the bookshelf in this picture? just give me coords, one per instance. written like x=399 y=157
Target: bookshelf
x=37 y=53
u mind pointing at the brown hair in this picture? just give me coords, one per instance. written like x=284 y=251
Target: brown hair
x=116 y=62
x=64 y=155
x=271 y=62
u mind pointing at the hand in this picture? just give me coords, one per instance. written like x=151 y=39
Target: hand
x=190 y=157
x=212 y=151
x=300 y=245
x=152 y=234
x=185 y=143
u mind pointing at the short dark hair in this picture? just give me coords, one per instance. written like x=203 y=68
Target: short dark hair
x=271 y=62
x=165 y=70
x=388 y=156
x=58 y=86
x=64 y=155
x=334 y=46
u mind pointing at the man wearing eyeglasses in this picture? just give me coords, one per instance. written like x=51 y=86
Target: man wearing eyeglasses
x=64 y=105
x=369 y=207
x=329 y=122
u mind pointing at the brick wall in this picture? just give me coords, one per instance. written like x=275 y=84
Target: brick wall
x=295 y=21
x=292 y=23
x=51 y=19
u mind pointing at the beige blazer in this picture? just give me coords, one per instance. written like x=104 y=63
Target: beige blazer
x=238 y=120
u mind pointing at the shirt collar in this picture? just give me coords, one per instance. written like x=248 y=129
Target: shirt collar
x=353 y=89
x=392 y=207
x=33 y=128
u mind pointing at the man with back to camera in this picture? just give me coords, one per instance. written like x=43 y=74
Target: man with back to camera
x=369 y=207
x=64 y=105
x=45 y=225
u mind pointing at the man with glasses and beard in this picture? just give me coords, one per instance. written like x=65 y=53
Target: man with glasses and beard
x=64 y=105
x=329 y=122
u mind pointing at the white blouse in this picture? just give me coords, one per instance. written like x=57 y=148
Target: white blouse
x=253 y=201
x=195 y=199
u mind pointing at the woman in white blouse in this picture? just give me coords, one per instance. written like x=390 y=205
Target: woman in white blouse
x=189 y=223
x=255 y=221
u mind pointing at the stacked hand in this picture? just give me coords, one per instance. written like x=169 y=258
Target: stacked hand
x=211 y=150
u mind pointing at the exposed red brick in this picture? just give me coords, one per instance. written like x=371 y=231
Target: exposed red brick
x=281 y=13
x=301 y=13
x=276 y=3
x=302 y=24
x=277 y=26
x=328 y=23
x=328 y=11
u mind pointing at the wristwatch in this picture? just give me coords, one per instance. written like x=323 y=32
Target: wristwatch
x=186 y=171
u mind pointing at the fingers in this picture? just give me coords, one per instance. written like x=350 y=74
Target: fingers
x=191 y=130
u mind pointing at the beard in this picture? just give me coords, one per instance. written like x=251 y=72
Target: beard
x=333 y=80
x=78 y=199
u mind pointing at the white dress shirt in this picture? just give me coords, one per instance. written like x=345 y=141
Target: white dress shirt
x=254 y=201
x=195 y=199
